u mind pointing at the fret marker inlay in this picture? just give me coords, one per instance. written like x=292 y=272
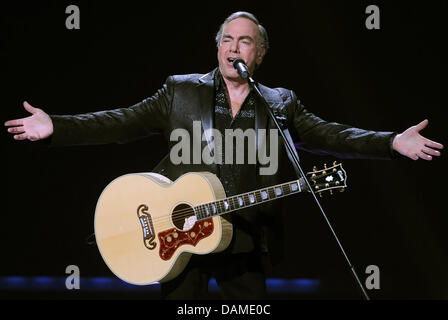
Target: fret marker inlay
x=251 y=198
x=278 y=191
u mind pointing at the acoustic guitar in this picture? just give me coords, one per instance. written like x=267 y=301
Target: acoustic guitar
x=147 y=226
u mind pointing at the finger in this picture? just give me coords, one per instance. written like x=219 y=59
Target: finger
x=16 y=122
x=29 y=108
x=433 y=144
x=424 y=156
x=422 y=125
x=22 y=136
x=431 y=151
x=17 y=129
x=413 y=156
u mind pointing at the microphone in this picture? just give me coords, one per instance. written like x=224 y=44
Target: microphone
x=241 y=68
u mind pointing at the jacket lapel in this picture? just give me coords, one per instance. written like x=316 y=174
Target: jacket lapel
x=261 y=117
x=206 y=89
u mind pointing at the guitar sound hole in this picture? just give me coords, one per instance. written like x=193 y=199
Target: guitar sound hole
x=183 y=217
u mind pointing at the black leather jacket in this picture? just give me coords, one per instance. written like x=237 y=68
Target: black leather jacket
x=187 y=98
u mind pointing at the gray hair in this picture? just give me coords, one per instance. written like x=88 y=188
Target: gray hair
x=263 y=40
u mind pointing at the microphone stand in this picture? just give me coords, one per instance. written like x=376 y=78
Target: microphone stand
x=300 y=173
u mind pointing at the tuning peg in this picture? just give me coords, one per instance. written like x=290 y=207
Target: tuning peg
x=331 y=191
x=325 y=166
x=320 y=194
x=335 y=163
x=341 y=190
x=314 y=168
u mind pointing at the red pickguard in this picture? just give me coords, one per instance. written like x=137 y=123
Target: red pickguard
x=172 y=239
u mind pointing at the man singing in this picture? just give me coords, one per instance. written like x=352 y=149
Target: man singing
x=222 y=100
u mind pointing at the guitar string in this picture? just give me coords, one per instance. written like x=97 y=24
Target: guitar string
x=219 y=204
x=219 y=207
x=183 y=212
x=166 y=220
x=246 y=198
x=180 y=213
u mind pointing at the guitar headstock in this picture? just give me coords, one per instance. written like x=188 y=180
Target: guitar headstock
x=328 y=178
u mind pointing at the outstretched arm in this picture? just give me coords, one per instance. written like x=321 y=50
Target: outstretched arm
x=35 y=127
x=118 y=125
x=413 y=145
x=322 y=137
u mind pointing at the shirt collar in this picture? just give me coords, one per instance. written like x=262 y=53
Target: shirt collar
x=220 y=84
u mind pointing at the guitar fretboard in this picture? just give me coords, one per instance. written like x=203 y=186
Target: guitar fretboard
x=241 y=201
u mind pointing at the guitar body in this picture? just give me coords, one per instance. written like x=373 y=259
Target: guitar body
x=146 y=230
x=147 y=226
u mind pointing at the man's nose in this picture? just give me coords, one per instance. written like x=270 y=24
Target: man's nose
x=234 y=47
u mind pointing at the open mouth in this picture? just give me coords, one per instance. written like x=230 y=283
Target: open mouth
x=231 y=60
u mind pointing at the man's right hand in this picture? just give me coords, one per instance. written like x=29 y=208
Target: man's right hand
x=35 y=127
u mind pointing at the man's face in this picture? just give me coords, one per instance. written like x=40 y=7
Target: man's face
x=239 y=40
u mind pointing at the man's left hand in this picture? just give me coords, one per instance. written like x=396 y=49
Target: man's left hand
x=413 y=145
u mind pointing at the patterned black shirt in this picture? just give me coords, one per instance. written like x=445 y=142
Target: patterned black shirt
x=236 y=177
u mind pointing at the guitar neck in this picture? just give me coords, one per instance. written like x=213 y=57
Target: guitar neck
x=249 y=199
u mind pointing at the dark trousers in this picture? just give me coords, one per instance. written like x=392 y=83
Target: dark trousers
x=239 y=276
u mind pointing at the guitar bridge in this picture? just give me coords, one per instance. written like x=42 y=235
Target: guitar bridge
x=147 y=227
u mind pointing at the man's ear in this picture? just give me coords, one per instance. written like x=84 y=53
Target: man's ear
x=260 y=55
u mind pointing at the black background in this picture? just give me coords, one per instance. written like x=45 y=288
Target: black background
x=393 y=213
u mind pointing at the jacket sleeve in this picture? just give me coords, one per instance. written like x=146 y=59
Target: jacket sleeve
x=318 y=136
x=116 y=126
